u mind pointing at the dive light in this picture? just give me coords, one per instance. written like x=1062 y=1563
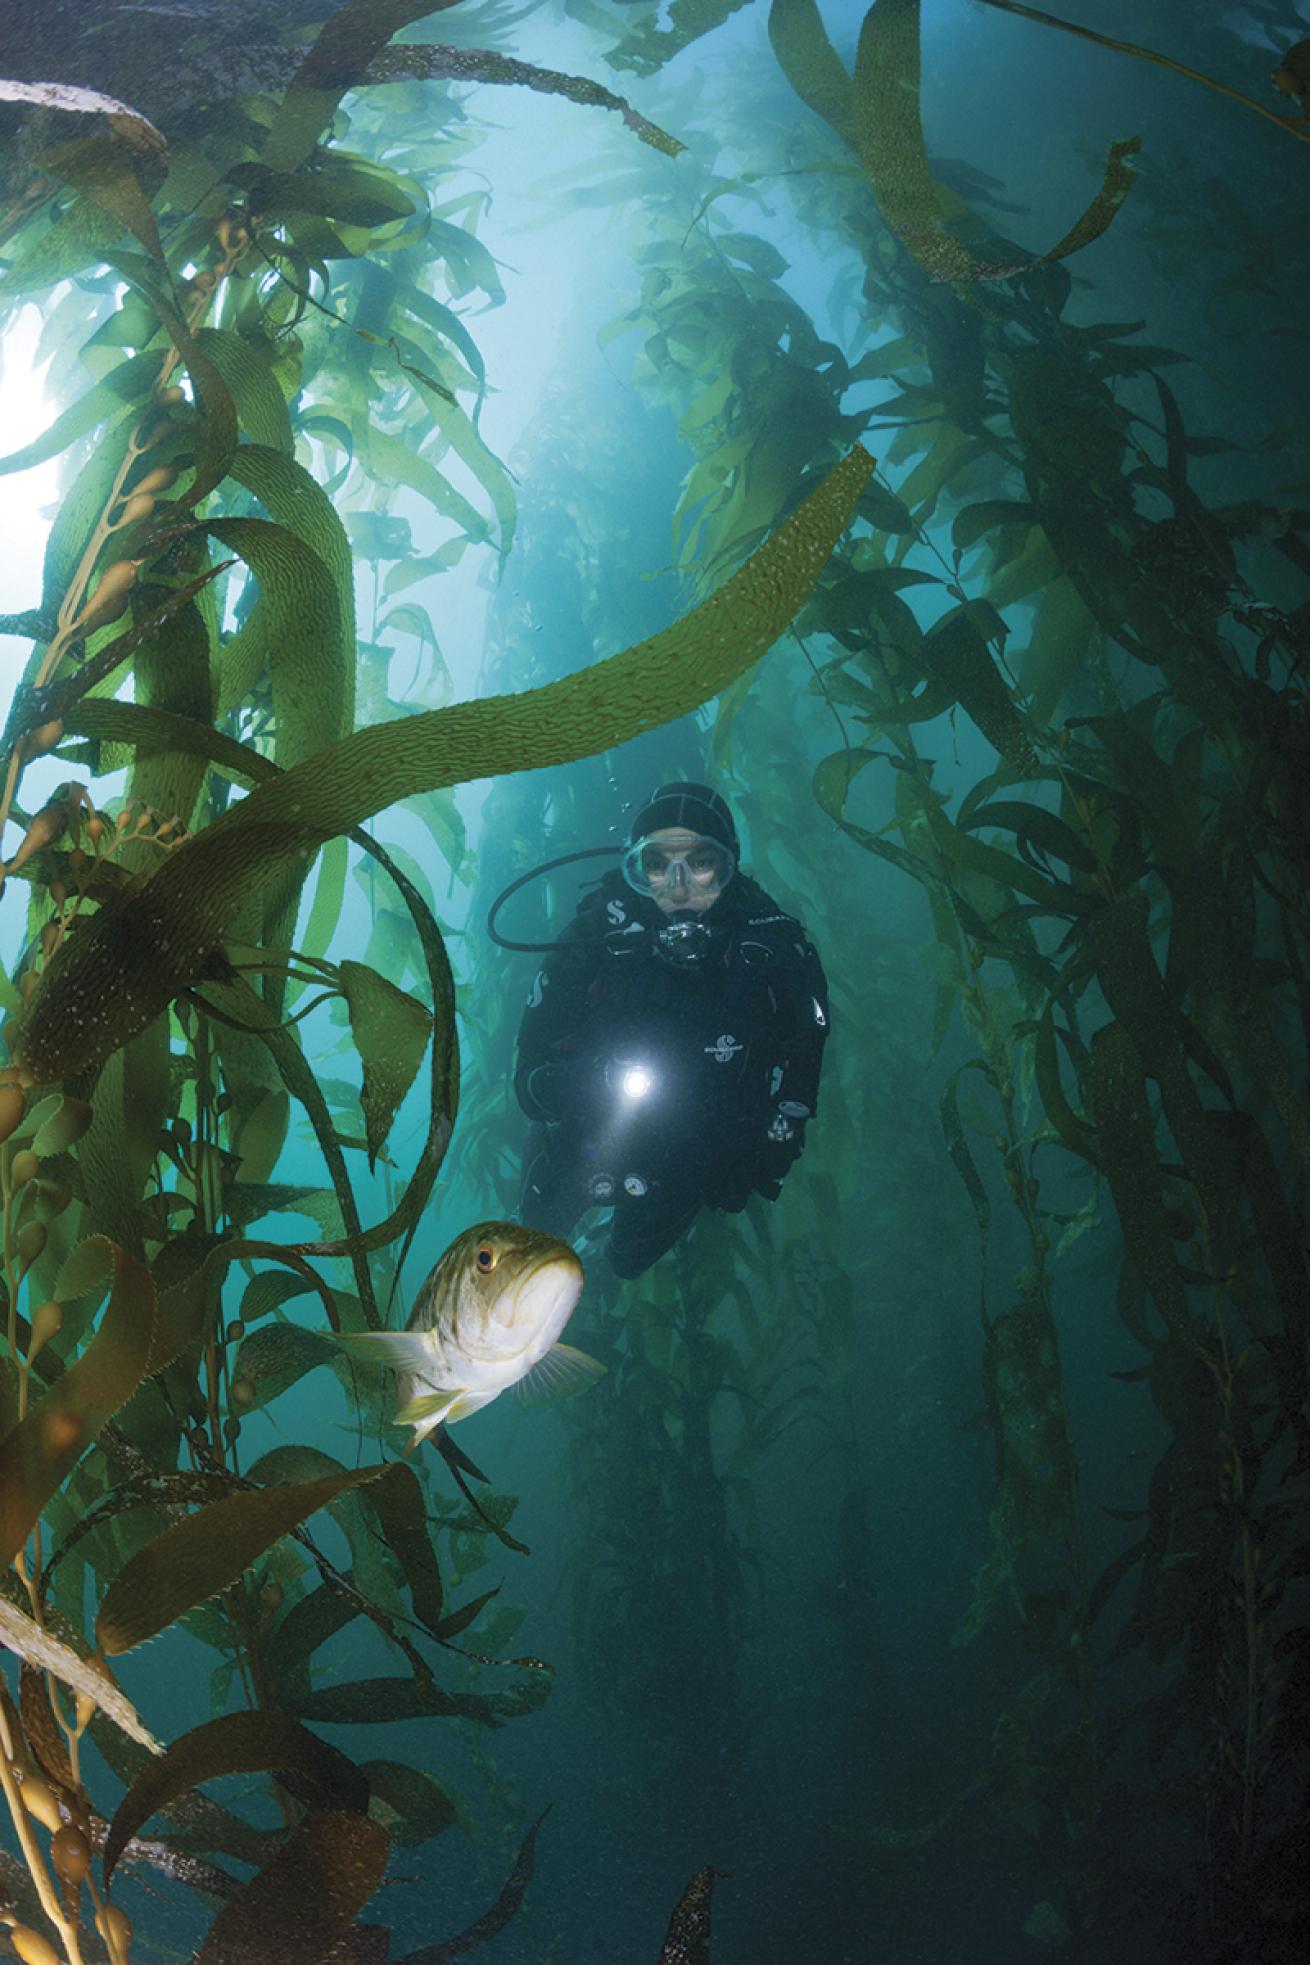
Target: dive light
x=636 y=1081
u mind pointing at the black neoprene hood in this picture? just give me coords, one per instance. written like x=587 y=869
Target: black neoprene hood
x=698 y=808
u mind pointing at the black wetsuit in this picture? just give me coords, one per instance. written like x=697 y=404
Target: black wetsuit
x=732 y=1046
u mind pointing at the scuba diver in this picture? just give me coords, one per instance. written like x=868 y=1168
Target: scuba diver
x=669 y=1054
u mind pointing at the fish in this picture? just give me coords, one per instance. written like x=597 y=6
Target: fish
x=488 y=1317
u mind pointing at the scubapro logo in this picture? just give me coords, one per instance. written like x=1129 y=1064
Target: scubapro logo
x=537 y=990
x=615 y=911
x=724 y=1049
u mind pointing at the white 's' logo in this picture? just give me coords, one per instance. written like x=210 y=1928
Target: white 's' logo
x=724 y=1049
x=614 y=909
x=537 y=990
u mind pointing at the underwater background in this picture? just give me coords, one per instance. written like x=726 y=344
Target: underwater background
x=932 y=1560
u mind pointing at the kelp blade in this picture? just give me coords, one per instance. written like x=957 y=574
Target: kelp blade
x=198 y=1557
x=687 y=1941
x=304 y=1901
x=44 y=1447
x=121 y=971
x=237 y=1743
x=890 y=138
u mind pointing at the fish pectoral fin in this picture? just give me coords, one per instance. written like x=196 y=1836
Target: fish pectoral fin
x=397 y=1350
x=429 y=1406
x=561 y=1374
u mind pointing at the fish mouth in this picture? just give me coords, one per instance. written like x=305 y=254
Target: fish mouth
x=547 y=1292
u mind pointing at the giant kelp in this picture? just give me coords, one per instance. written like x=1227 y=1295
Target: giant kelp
x=155 y=1064
x=1113 y=879
x=1116 y=894
x=1141 y=873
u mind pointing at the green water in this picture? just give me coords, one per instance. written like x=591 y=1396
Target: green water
x=931 y=1559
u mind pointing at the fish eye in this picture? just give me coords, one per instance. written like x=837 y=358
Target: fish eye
x=486 y=1258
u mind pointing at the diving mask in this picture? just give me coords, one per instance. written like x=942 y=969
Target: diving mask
x=678 y=871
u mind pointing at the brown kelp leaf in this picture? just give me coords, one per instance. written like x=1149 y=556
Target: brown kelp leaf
x=649 y=46
x=1025 y=1396
x=409 y=63
x=254 y=1014
x=402 y=1516
x=1137 y=996
x=1111 y=1577
x=363 y=1944
x=687 y=1941
x=158 y=1491
x=390 y=1032
x=192 y=1561
x=46 y=1739
x=409 y=1803
x=116 y=175
x=54 y=1125
x=1073 y=1131
x=812 y=65
x=973 y=522
x=135 y=129
x=45 y=1652
x=170 y=672
x=352 y=36
x=309 y=1623
x=293 y=632
x=272 y=1359
x=1039 y=834
x=238 y=1743
x=305 y=1900
x=59 y=1426
x=120 y=971
x=248 y=375
x=954 y=652
x=186 y=1306
x=139 y=726
x=890 y=138
x=1116 y=1095
x=496 y=1918
x=833 y=779
x=1148 y=780
x=960 y=850
x=963 y=1162
x=384 y=1701
x=293 y=499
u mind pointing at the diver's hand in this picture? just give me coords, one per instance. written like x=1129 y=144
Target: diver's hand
x=784 y=1141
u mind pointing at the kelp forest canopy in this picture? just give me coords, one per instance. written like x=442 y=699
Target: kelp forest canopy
x=922 y=456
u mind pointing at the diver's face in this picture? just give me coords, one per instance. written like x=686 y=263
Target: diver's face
x=683 y=871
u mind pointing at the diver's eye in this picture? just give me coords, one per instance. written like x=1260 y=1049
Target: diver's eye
x=486 y=1259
